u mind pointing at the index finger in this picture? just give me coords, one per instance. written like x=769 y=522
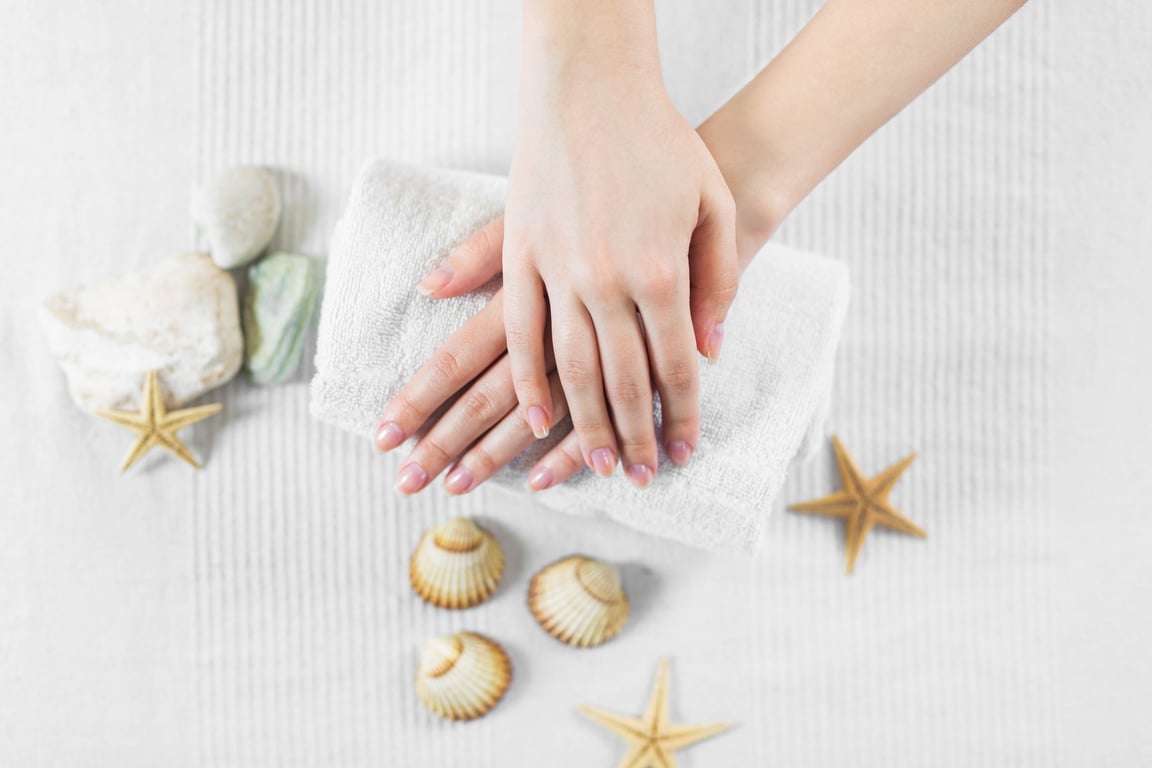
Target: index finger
x=459 y=360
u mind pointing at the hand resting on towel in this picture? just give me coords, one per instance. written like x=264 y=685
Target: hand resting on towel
x=773 y=142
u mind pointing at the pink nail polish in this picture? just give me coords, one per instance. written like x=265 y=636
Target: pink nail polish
x=388 y=436
x=459 y=480
x=538 y=420
x=412 y=478
x=603 y=461
x=640 y=475
x=715 y=342
x=436 y=279
x=540 y=479
x=679 y=451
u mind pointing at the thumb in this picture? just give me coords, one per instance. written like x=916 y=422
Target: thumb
x=471 y=265
x=714 y=271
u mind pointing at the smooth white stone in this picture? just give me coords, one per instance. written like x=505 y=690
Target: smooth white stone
x=239 y=211
x=180 y=318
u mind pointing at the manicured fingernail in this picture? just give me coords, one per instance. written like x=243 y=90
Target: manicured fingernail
x=459 y=480
x=412 y=478
x=640 y=475
x=603 y=461
x=538 y=420
x=436 y=279
x=388 y=436
x=540 y=479
x=679 y=451
x=715 y=341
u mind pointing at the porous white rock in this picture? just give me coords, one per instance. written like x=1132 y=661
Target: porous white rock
x=239 y=210
x=179 y=317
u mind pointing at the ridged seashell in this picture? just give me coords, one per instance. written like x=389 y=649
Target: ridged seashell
x=462 y=676
x=457 y=564
x=579 y=601
x=277 y=312
x=239 y=210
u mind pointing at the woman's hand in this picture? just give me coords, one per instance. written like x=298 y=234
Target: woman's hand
x=483 y=429
x=619 y=229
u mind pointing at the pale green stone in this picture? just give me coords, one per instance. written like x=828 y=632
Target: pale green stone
x=277 y=312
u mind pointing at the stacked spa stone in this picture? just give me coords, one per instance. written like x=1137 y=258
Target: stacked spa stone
x=180 y=317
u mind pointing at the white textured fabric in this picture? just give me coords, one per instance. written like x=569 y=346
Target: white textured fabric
x=258 y=614
x=759 y=404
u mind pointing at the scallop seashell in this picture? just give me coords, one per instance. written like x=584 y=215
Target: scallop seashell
x=457 y=564
x=278 y=309
x=579 y=601
x=239 y=210
x=462 y=676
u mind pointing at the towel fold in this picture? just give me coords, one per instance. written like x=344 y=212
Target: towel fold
x=762 y=404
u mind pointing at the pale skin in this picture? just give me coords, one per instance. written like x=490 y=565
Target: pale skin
x=854 y=66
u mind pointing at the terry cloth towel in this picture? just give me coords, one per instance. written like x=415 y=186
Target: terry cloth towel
x=762 y=405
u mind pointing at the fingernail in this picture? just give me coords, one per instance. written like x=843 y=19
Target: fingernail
x=640 y=475
x=679 y=451
x=540 y=479
x=603 y=461
x=412 y=478
x=436 y=279
x=715 y=341
x=538 y=420
x=459 y=480
x=388 y=436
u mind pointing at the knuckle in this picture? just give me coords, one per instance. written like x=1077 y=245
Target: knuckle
x=627 y=393
x=599 y=284
x=478 y=405
x=679 y=378
x=659 y=283
x=518 y=336
x=402 y=404
x=527 y=387
x=432 y=447
x=576 y=373
x=482 y=463
x=445 y=364
x=590 y=429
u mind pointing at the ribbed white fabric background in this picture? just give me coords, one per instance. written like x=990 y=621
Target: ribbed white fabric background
x=933 y=654
x=258 y=613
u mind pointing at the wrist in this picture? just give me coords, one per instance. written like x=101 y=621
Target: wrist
x=569 y=39
x=764 y=192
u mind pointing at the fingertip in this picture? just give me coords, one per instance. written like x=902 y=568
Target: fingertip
x=680 y=452
x=436 y=281
x=540 y=478
x=539 y=422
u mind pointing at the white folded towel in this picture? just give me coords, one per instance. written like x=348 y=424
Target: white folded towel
x=762 y=404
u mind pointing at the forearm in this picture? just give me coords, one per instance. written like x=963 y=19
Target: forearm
x=570 y=44
x=847 y=73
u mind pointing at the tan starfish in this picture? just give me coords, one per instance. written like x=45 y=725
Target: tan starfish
x=863 y=502
x=156 y=425
x=652 y=740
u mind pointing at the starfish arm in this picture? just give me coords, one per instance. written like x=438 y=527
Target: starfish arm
x=858 y=528
x=839 y=504
x=639 y=755
x=890 y=517
x=127 y=419
x=154 y=397
x=676 y=737
x=849 y=472
x=881 y=485
x=177 y=448
x=630 y=728
x=145 y=441
x=177 y=420
x=662 y=759
x=656 y=714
